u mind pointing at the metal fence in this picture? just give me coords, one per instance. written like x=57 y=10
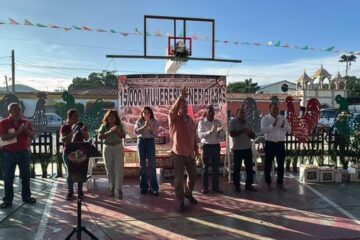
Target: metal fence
x=324 y=147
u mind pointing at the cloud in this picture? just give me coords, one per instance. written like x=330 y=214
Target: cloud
x=44 y=83
x=268 y=73
x=50 y=48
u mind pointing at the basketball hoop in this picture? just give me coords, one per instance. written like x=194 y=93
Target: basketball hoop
x=179 y=49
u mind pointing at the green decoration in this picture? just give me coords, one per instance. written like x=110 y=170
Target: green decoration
x=69 y=99
x=41 y=25
x=344 y=106
x=77 y=28
x=329 y=49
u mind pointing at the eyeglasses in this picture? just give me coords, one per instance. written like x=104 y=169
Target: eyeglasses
x=146 y=112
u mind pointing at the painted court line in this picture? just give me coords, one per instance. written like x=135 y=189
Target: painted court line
x=333 y=204
x=45 y=217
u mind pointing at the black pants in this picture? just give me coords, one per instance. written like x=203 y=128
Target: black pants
x=239 y=155
x=211 y=156
x=274 y=149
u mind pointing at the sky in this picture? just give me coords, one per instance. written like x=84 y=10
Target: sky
x=48 y=59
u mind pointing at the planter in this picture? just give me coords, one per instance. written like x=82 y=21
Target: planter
x=326 y=174
x=309 y=173
x=342 y=176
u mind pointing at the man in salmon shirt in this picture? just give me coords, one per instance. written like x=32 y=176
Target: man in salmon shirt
x=184 y=149
x=16 y=154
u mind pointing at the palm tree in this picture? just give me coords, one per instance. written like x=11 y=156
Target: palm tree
x=347 y=59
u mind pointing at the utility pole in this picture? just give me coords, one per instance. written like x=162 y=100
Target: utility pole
x=7 y=85
x=13 y=70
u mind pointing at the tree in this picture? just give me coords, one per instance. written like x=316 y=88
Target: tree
x=347 y=59
x=353 y=86
x=95 y=80
x=243 y=87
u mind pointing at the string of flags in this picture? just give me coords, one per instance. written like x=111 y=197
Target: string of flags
x=194 y=36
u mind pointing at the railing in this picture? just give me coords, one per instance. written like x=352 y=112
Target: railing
x=324 y=147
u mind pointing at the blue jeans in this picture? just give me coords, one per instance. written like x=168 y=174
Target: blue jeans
x=10 y=159
x=146 y=150
x=69 y=182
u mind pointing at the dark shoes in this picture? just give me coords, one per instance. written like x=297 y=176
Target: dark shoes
x=5 y=205
x=238 y=189
x=217 y=190
x=155 y=193
x=120 y=196
x=69 y=196
x=30 y=200
x=181 y=207
x=204 y=190
x=191 y=199
x=111 y=192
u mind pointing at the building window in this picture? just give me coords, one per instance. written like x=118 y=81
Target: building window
x=284 y=87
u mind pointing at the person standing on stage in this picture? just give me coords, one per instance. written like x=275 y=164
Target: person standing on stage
x=16 y=153
x=72 y=131
x=275 y=127
x=184 y=149
x=241 y=133
x=145 y=129
x=210 y=132
x=113 y=132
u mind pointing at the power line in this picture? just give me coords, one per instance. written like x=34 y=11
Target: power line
x=81 y=69
x=74 y=45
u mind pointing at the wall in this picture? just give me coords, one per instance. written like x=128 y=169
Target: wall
x=324 y=96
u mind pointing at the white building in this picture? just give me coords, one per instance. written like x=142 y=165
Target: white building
x=280 y=87
x=322 y=86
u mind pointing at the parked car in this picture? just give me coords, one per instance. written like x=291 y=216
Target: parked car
x=328 y=117
x=54 y=121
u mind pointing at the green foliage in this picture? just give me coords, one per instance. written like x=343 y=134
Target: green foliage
x=95 y=80
x=80 y=107
x=353 y=86
x=91 y=107
x=347 y=59
x=246 y=86
x=61 y=109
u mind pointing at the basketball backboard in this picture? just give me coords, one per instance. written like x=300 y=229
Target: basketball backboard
x=183 y=38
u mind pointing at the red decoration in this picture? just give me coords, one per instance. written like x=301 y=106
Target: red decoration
x=302 y=127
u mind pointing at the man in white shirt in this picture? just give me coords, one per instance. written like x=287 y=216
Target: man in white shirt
x=210 y=132
x=241 y=133
x=275 y=127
